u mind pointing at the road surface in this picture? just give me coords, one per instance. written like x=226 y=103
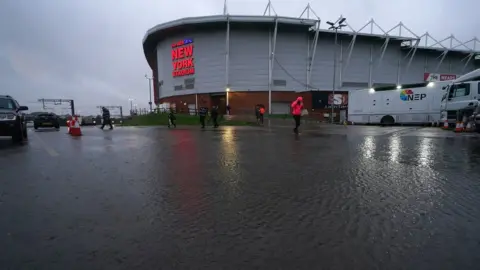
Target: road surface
x=333 y=197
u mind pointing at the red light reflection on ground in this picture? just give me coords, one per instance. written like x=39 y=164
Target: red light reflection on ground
x=188 y=172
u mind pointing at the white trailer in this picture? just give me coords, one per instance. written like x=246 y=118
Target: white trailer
x=419 y=104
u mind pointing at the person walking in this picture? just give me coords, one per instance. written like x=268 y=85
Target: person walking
x=261 y=113
x=106 y=118
x=297 y=107
x=214 y=116
x=257 y=113
x=202 y=112
x=171 y=119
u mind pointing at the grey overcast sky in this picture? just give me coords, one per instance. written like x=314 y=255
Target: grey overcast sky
x=91 y=51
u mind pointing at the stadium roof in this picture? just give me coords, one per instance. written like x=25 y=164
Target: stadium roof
x=399 y=32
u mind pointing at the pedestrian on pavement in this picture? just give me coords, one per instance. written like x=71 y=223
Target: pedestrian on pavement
x=297 y=107
x=214 y=116
x=171 y=119
x=106 y=118
x=261 y=112
x=228 y=109
x=257 y=113
x=202 y=112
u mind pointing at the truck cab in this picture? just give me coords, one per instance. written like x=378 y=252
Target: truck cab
x=462 y=96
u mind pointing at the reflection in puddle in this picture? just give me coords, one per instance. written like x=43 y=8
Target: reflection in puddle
x=230 y=158
x=394 y=148
x=368 y=147
x=425 y=152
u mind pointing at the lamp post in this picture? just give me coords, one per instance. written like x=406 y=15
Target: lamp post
x=227 y=96
x=149 y=90
x=337 y=25
x=131 y=105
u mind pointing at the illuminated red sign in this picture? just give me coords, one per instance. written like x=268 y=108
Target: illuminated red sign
x=182 y=58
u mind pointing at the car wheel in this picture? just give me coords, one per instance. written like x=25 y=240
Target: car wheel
x=17 y=136
x=25 y=133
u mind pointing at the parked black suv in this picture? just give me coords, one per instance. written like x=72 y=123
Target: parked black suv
x=50 y=120
x=12 y=120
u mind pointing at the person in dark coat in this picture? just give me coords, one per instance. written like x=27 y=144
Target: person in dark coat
x=106 y=118
x=171 y=119
x=214 y=115
x=202 y=112
x=257 y=113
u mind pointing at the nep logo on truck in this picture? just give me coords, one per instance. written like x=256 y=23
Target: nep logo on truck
x=408 y=95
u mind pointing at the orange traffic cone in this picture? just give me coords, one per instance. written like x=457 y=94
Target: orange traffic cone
x=75 y=127
x=69 y=123
x=445 y=124
x=458 y=127
x=68 y=126
x=469 y=127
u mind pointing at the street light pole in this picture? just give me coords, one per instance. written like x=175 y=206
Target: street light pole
x=131 y=105
x=149 y=90
x=334 y=74
x=335 y=26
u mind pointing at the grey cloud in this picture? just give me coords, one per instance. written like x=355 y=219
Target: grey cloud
x=91 y=50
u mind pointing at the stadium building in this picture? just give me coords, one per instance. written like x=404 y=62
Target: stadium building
x=247 y=60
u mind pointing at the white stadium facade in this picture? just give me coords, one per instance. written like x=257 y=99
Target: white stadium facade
x=247 y=60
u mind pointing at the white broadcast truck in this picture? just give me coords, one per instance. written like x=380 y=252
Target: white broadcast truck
x=416 y=104
x=462 y=98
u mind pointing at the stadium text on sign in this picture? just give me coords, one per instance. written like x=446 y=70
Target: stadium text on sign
x=182 y=58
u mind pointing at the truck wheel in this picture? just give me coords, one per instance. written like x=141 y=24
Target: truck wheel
x=387 y=120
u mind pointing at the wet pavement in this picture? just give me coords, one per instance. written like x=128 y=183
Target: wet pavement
x=334 y=197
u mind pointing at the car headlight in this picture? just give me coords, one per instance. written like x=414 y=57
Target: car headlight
x=11 y=116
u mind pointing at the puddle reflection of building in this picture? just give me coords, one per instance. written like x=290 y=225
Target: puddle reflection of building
x=231 y=173
x=368 y=147
x=187 y=172
x=397 y=176
x=425 y=155
x=394 y=148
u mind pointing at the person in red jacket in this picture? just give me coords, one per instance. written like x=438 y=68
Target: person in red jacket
x=297 y=107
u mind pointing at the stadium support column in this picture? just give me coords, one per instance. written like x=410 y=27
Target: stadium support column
x=384 y=49
x=227 y=61
x=340 y=72
x=370 y=70
x=443 y=55
x=315 y=42
x=350 y=50
x=469 y=58
x=413 y=51
x=399 y=67
x=334 y=74
x=272 y=59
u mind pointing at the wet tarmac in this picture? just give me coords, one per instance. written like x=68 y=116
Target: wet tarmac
x=241 y=198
